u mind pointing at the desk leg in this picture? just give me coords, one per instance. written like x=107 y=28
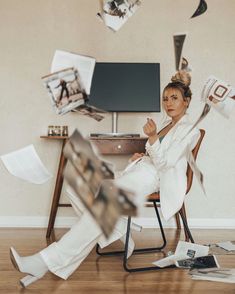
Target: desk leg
x=57 y=191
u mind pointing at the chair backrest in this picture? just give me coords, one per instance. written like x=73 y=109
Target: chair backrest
x=189 y=172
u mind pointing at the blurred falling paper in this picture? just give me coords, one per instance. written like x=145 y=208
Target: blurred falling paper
x=202 y=7
x=205 y=111
x=83 y=64
x=115 y=13
x=26 y=165
x=90 y=111
x=219 y=95
x=184 y=65
x=110 y=204
x=178 y=45
x=196 y=171
x=85 y=173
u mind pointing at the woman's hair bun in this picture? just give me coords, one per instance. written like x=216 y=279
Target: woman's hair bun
x=183 y=77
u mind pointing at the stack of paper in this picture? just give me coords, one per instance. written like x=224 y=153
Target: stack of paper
x=225 y=275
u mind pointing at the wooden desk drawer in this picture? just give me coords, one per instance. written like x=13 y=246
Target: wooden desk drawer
x=120 y=145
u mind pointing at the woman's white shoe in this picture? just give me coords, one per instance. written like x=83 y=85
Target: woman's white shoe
x=33 y=265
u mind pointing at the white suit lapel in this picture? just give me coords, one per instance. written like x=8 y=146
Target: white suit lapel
x=176 y=133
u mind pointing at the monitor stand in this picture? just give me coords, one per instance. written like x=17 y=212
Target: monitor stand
x=114 y=132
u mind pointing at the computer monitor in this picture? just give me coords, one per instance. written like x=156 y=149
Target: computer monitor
x=126 y=87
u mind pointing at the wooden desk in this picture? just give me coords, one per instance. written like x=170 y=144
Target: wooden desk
x=112 y=146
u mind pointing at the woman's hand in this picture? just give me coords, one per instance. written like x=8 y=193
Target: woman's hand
x=150 y=129
x=136 y=156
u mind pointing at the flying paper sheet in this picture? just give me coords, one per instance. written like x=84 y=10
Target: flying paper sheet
x=90 y=111
x=202 y=7
x=26 y=165
x=219 y=95
x=196 y=171
x=83 y=64
x=184 y=65
x=115 y=13
x=178 y=45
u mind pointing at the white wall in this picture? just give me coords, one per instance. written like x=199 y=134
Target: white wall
x=30 y=32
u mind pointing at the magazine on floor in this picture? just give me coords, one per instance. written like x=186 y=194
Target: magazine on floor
x=184 y=250
x=207 y=261
x=225 y=275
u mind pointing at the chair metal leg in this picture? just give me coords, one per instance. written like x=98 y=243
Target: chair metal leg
x=137 y=269
x=108 y=253
x=140 y=250
x=186 y=228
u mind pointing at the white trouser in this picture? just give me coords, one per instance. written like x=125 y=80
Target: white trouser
x=64 y=257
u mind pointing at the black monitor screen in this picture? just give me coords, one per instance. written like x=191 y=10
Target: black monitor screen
x=126 y=87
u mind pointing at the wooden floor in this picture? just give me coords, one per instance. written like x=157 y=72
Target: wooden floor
x=105 y=274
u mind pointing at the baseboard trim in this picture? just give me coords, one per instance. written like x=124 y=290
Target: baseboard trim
x=66 y=222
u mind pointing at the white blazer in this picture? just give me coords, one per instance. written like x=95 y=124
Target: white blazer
x=169 y=158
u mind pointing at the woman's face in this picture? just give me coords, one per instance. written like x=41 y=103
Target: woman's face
x=174 y=104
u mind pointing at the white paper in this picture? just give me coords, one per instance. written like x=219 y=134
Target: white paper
x=26 y=165
x=216 y=275
x=85 y=66
x=229 y=245
x=183 y=250
x=115 y=18
x=196 y=171
x=131 y=164
x=219 y=95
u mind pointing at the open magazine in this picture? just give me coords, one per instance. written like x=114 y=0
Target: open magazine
x=114 y=13
x=184 y=250
x=69 y=84
x=89 y=177
x=83 y=64
x=219 y=95
x=65 y=90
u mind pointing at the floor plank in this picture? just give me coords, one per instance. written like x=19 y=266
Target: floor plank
x=105 y=274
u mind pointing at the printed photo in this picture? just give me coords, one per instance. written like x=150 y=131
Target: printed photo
x=116 y=12
x=65 y=90
x=219 y=95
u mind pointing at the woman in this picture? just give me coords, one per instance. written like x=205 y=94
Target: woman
x=164 y=169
